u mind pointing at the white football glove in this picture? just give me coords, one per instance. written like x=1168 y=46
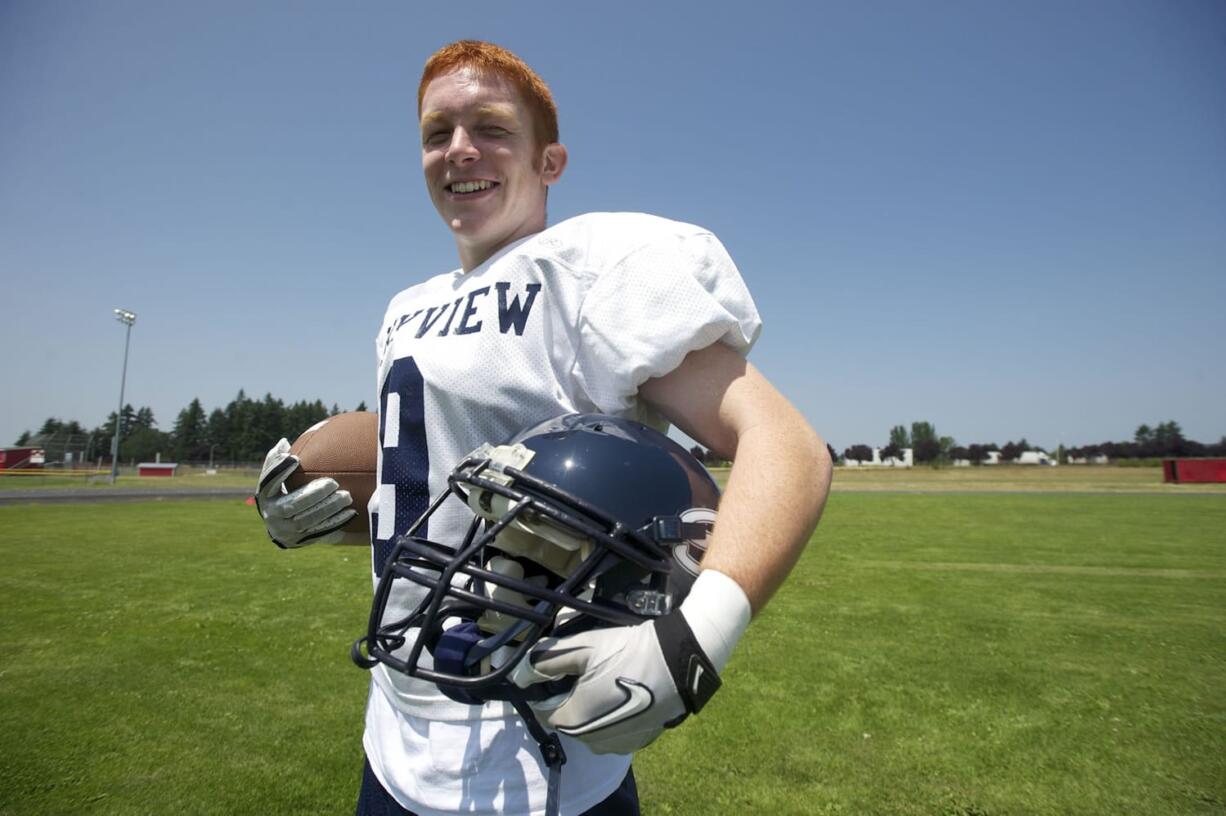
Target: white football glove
x=635 y=681
x=313 y=513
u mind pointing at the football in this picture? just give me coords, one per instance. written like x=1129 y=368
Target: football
x=344 y=447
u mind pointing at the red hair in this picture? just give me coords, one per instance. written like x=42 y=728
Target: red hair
x=492 y=60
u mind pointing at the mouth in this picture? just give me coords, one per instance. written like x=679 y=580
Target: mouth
x=465 y=189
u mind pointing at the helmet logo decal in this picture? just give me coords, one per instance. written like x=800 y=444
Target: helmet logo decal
x=696 y=526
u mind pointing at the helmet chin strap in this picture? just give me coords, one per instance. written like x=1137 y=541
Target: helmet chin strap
x=487 y=646
x=551 y=752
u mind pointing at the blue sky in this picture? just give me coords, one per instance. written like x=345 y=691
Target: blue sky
x=1008 y=219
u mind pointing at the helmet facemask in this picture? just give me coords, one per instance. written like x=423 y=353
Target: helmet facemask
x=542 y=555
x=526 y=567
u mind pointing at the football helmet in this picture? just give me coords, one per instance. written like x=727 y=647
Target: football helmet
x=578 y=522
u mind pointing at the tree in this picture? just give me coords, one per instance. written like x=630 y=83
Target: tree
x=1168 y=440
x=1013 y=450
x=361 y=407
x=126 y=425
x=144 y=418
x=143 y=445
x=1144 y=435
x=128 y=422
x=834 y=457
x=925 y=445
x=860 y=453
x=892 y=450
x=190 y=433
x=216 y=432
x=978 y=454
x=300 y=416
x=899 y=437
x=23 y=439
x=698 y=453
x=238 y=421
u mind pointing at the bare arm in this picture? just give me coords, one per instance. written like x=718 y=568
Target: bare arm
x=781 y=469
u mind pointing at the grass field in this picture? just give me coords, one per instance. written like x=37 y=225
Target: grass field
x=1017 y=478
x=187 y=478
x=996 y=478
x=932 y=654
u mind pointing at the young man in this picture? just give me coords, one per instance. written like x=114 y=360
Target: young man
x=622 y=314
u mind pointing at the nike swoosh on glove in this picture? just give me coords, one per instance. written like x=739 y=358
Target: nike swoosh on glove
x=313 y=513
x=635 y=681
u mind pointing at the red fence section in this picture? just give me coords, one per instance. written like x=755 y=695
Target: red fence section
x=1194 y=470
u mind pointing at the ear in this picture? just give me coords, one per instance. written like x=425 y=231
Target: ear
x=554 y=163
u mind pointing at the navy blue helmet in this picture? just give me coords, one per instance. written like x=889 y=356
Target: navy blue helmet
x=581 y=521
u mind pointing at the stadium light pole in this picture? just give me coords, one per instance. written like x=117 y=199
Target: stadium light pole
x=127 y=318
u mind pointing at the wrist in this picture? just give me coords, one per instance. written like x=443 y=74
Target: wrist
x=717 y=612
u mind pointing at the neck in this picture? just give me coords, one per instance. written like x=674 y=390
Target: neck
x=473 y=255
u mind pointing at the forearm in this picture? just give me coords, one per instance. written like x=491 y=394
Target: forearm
x=775 y=494
x=781 y=469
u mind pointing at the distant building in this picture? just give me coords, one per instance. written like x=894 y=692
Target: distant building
x=13 y=458
x=164 y=469
x=907 y=460
x=1034 y=458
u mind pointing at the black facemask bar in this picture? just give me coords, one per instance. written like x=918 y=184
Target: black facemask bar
x=435 y=566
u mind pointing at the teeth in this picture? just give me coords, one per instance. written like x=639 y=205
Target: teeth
x=469 y=186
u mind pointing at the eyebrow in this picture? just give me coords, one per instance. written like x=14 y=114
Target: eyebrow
x=500 y=111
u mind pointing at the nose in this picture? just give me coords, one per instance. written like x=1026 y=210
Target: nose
x=461 y=150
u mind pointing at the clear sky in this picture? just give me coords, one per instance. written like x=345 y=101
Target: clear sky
x=1007 y=219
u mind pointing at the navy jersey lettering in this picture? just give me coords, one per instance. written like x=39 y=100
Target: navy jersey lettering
x=469 y=310
x=512 y=314
x=406 y=462
x=432 y=317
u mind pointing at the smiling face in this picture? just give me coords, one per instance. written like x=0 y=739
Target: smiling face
x=485 y=172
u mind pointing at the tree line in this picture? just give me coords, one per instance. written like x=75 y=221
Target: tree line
x=927 y=447
x=1164 y=440
x=244 y=430
x=240 y=433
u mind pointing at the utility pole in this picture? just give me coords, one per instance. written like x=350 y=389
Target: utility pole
x=127 y=318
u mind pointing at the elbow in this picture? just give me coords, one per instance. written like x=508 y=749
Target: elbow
x=823 y=466
x=815 y=468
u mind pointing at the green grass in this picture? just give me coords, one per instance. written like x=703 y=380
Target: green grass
x=932 y=654
x=165 y=657
x=1017 y=478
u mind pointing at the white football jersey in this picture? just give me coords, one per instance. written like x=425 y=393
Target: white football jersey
x=571 y=319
